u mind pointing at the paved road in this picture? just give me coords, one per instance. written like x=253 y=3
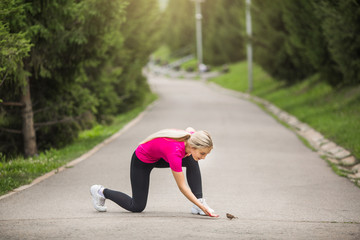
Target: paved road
x=259 y=171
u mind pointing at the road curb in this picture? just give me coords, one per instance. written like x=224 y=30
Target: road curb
x=84 y=156
x=334 y=154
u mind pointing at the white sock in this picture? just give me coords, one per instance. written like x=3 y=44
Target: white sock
x=101 y=192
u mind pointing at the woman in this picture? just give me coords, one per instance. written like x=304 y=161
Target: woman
x=168 y=148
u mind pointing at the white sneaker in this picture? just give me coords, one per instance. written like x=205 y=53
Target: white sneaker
x=196 y=210
x=97 y=199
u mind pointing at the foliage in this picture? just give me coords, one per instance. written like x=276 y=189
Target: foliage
x=162 y=55
x=294 y=39
x=84 y=65
x=141 y=38
x=189 y=65
x=14 y=46
x=19 y=171
x=332 y=111
x=179 y=27
x=223 y=34
x=312 y=47
x=340 y=25
x=272 y=49
x=222 y=30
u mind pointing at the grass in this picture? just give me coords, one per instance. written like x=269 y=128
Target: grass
x=190 y=64
x=334 y=112
x=20 y=171
x=163 y=54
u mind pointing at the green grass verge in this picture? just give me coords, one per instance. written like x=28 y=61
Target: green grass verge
x=334 y=112
x=20 y=171
x=163 y=54
x=190 y=64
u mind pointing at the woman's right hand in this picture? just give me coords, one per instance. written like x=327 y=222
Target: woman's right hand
x=180 y=181
x=208 y=213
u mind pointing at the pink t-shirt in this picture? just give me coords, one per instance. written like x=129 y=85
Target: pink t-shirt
x=170 y=150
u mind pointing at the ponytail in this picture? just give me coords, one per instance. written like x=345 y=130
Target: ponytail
x=199 y=139
x=179 y=135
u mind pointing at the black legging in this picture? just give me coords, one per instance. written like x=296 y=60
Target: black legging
x=140 y=179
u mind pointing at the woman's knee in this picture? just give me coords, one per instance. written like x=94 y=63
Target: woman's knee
x=138 y=206
x=138 y=209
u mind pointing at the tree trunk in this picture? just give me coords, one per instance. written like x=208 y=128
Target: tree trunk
x=28 y=129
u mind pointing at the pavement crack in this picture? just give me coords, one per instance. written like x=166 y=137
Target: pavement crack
x=302 y=221
x=2 y=221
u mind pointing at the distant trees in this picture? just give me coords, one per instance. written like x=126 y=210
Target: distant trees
x=222 y=27
x=292 y=39
x=272 y=48
x=340 y=23
x=66 y=64
x=141 y=34
x=179 y=27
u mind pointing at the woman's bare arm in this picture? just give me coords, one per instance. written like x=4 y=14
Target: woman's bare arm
x=180 y=181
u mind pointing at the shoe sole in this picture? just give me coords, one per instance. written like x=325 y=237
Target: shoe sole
x=196 y=212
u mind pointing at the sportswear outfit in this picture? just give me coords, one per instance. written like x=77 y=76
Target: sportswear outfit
x=156 y=153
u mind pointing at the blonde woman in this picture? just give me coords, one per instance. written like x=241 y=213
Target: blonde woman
x=168 y=148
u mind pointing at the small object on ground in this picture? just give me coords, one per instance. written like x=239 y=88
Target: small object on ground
x=230 y=216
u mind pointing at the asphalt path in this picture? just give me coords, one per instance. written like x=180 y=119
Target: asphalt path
x=258 y=171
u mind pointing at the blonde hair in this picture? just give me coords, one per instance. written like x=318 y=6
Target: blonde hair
x=198 y=139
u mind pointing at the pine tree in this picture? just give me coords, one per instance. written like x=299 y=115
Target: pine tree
x=141 y=33
x=306 y=37
x=340 y=24
x=179 y=29
x=272 y=48
x=14 y=81
x=224 y=25
x=85 y=60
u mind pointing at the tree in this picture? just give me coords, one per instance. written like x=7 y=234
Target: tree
x=224 y=24
x=99 y=71
x=15 y=47
x=306 y=37
x=53 y=28
x=141 y=33
x=73 y=62
x=56 y=76
x=179 y=29
x=272 y=48
x=340 y=26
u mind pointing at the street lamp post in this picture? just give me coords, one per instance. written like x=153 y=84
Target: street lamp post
x=198 y=18
x=249 y=46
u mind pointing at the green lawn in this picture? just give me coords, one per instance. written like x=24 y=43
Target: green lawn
x=333 y=112
x=20 y=171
